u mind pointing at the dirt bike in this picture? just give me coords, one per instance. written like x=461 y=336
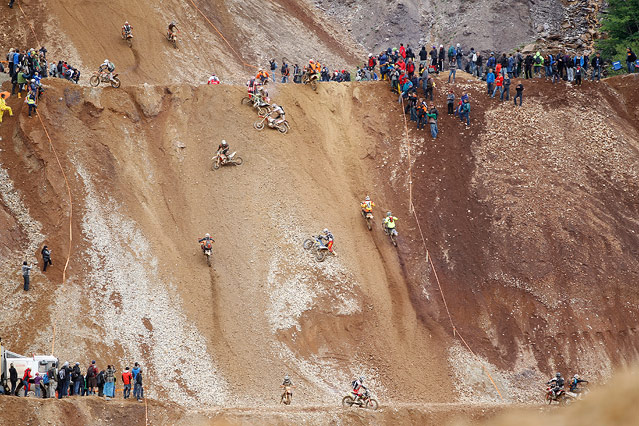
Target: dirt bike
x=102 y=77
x=207 y=252
x=281 y=126
x=392 y=234
x=172 y=38
x=321 y=251
x=368 y=216
x=312 y=80
x=261 y=104
x=231 y=159
x=562 y=397
x=363 y=401
x=129 y=38
x=287 y=397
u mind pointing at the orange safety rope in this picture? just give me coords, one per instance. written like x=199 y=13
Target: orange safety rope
x=429 y=258
x=221 y=35
x=31 y=26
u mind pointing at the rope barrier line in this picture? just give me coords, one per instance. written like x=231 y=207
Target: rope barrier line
x=429 y=259
x=146 y=413
x=30 y=26
x=222 y=35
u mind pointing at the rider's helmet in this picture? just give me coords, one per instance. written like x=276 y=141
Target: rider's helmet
x=326 y=230
x=388 y=214
x=224 y=143
x=576 y=376
x=106 y=61
x=367 y=198
x=172 y=22
x=361 y=379
x=274 y=105
x=126 y=22
x=286 y=377
x=207 y=235
x=310 y=61
x=558 y=375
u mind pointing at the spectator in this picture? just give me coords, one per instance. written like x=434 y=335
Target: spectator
x=92 y=378
x=479 y=68
x=26 y=269
x=134 y=372
x=26 y=380
x=578 y=75
x=423 y=57
x=46 y=258
x=472 y=61
x=430 y=88
x=4 y=107
x=538 y=63
x=432 y=121
x=442 y=56
x=596 y=67
x=465 y=112
x=109 y=382
x=65 y=379
x=126 y=381
x=459 y=55
x=31 y=102
x=100 y=382
x=286 y=72
x=75 y=376
x=52 y=382
x=490 y=80
x=450 y=100
x=421 y=114
x=13 y=378
x=520 y=93
x=505 y=93
x=528 y=63
x=45 y=385
x=630 y=60
x=453 y=70
x=520 y=61
x=139 y=386
x=37 y=380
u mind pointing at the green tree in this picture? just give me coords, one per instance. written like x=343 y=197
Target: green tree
x=621 y=28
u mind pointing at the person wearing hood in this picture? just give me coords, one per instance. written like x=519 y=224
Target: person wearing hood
x=65 y=378
x=423 y=57
x=631 y=58
x=134 y=372
x=433 y=59
x=538 y=64
x=46 y=258
x=442 y=56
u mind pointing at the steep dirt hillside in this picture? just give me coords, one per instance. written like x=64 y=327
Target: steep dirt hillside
x=215 y=36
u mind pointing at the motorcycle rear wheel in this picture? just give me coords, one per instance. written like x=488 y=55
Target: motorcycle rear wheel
x=262 y=111
x=94 y=80
x=259 y=125
x=372 y=404
x=348 y=401
x=307 y=244
x=115 y=83
x=314 y=85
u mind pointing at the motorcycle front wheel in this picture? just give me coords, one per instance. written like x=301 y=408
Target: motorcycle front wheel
x=216 y=165
x=129 y=41
x=115 y=83
x=307 y=244
x=369 y=225
x=94 y=80
x=238 y=161
x=259 y=125
x=246 y=100
x=208 y=261
x=393 y=239
x=283 y=128
x=348 y=401
x=262 y=111
x=372 y=404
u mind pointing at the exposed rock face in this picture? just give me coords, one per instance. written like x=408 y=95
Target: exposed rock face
x=483 y=24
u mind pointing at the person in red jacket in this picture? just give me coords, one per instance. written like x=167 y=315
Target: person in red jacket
x=499 y=85
x=26 y=381
x=402 y=50
x=126 y=380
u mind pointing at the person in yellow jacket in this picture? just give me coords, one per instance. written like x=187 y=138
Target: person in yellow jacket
x=390 y=223
x=4 y=107
x=31 y=101
x=367 y=205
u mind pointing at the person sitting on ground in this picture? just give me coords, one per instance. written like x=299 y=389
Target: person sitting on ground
x=107 y=67
x=223 y=152
x=328 y=237
x=126 y=30
x=277 y=115
x=367 y=205
x=213 y=79
x=206 y=242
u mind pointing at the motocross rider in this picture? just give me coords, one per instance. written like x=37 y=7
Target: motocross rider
x=223 y=152
x=277 y=116
x=286 y=383
x=367 y=205
x=389 y=223
x=173 y=29
x=328 y=237
x=557 y=384
x=358 y=387
x=107 y=66
x=574 y=383
x=126 y=29
x=205 y=242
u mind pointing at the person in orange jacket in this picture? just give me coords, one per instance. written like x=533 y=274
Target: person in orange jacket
x=262 y=76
